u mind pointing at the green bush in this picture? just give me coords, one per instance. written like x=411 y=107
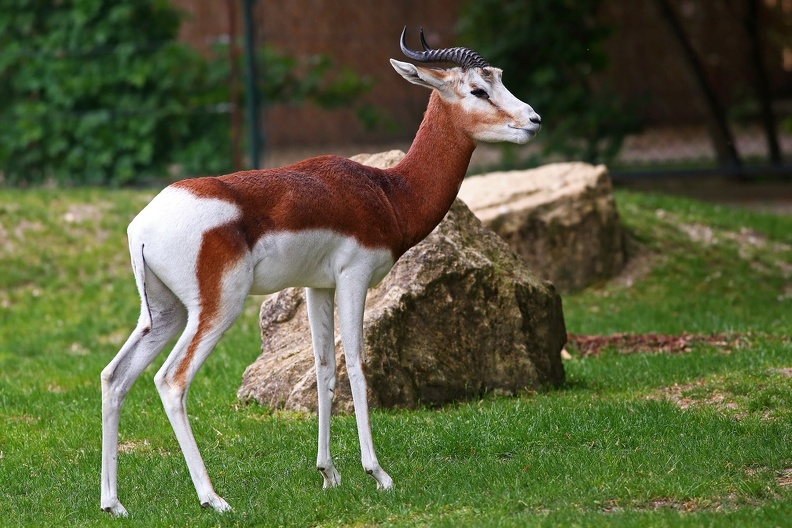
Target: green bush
x=100 y=92
x=551 y=51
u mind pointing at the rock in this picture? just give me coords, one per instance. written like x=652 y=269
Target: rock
x=459 y=315
x=560 y=218
x=381 y=160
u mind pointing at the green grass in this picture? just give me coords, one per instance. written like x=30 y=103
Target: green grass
x=709 y=269
x=702 y=438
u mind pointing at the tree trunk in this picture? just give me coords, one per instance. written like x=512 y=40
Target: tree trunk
x=761 y=85
x=720 y=133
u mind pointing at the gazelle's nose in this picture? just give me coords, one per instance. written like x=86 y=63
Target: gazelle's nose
x=536 y=119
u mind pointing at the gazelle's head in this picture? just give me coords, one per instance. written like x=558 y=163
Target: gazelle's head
x=488 y=111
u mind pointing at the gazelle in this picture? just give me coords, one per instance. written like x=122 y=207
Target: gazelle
x=329 y=224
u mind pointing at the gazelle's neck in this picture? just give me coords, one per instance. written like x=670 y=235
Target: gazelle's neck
x=432 y=170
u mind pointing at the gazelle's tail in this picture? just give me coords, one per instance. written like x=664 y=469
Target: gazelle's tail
x=136 y=251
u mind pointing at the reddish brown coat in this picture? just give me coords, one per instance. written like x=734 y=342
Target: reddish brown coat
x=392 y=209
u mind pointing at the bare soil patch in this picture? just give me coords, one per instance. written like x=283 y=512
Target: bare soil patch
x=680 y=394
x=593 y=345
x=785 y=478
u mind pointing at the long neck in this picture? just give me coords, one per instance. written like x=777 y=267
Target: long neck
x=432 y=171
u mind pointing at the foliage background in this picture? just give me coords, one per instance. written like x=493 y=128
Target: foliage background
x=101 y=92
x=551 y=51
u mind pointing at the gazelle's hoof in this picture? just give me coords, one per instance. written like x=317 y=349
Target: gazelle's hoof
x=330 y=476
x=217 y=503
x=115 y=508
x=384 y=482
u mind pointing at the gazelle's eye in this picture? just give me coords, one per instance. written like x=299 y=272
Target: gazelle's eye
x=478 y=92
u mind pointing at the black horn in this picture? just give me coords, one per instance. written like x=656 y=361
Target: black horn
x=464 y=57
x=423 y=39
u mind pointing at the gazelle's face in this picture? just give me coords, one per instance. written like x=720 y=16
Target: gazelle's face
x=493 y=113
x=487 y=110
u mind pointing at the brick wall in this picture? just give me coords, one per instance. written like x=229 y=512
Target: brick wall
x=360 y=34
x=645 y=60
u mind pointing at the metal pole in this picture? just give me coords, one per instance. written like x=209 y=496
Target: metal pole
x=250 y=75
x=233 y=88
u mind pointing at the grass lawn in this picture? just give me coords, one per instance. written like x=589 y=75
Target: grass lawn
x=698 y=435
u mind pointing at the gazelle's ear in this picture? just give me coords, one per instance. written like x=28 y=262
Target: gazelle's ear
x=431 y=78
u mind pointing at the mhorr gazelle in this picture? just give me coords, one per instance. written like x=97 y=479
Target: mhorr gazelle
x=328 y=224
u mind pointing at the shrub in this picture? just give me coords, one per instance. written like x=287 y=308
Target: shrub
x=100 y=92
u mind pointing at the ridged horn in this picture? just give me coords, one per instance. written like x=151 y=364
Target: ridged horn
x=464 y=57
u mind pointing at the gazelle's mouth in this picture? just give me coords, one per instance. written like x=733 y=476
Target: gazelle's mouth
x=530 y=131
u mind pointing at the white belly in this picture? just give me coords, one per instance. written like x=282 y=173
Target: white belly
x=314 y=259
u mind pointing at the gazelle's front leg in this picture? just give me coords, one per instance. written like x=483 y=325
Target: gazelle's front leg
x=351 y=301
x=320 y=316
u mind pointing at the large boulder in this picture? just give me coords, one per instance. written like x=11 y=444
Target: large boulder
x=561 y=219
x=459 y=315
x=382 y=160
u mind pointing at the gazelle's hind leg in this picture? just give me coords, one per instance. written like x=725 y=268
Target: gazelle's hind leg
x=320 y=315
x=162 y=318
x=206 y=323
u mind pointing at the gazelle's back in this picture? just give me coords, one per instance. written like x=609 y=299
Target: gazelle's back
x=298 y=225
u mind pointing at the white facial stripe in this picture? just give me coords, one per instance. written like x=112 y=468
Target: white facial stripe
x=500 y=116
